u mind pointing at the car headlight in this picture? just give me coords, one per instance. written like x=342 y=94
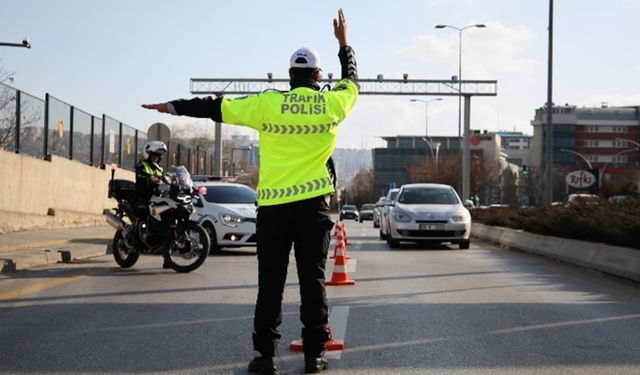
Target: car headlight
x=401 y=216
x=459 y=217
x=231 y=220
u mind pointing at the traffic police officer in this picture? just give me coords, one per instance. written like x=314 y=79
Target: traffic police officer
x=297 y=137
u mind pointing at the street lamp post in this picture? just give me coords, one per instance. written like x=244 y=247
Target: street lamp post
x=437 y=150
x=601 y=174
x=460 y=30
x=583 y=158
x=26 y=43
x=426 y=106
x=578 y=154
x=628 y=140
x=233 y=164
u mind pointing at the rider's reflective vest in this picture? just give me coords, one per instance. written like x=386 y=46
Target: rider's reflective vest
x=297 y=136
x=152 y=169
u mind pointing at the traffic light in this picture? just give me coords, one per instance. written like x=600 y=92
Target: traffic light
x=525 y=171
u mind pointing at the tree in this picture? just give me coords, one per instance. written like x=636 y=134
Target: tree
x=360 y=191
x=192 y=135
x=8 y=120
x=7 y=110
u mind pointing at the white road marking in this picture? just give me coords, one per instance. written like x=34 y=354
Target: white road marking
x=338 y=322
x=352 y=264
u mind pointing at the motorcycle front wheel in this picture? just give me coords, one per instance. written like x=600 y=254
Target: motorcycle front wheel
x=124 y=257
x=191 y=253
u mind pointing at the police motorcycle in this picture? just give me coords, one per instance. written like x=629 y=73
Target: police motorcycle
x=167 y=230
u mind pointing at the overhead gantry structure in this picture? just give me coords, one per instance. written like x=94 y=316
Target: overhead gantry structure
x=376 y=86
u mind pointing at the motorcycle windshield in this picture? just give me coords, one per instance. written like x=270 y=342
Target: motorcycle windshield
x=181 y=178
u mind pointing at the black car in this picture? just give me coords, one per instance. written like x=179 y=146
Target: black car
x=349 y=212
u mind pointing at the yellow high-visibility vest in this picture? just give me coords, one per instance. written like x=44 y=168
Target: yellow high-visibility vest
x=152 y=170
x=297 y=136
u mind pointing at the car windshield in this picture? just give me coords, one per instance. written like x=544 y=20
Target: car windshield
x=427 y=196
x=230 y=194
x=367 y=207
x=393 y=195
x=348 y=208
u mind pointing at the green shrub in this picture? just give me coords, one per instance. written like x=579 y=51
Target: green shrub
x=611 y=223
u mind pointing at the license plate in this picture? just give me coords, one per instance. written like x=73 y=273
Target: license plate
x=431 y=226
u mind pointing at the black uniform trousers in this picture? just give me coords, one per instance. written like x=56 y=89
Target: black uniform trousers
x=305 y=224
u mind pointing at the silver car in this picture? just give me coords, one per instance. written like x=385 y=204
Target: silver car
x=429 y=213
x=366 y=211
x=384 y=212
x=377 y=212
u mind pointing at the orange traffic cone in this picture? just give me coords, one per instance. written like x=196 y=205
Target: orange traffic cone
x=340 y=276
x=339 y=238
x=344 y=234
x=331 y=345
x=336 y=229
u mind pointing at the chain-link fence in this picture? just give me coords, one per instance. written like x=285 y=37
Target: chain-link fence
x=41 y=128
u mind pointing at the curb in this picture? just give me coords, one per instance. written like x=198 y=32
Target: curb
x=619 y=261
x=39 y=258
x=32 y=246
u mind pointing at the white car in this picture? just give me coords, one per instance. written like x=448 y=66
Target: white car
x=429 y=213
x=384 y=212
x=228 y=212
x=377 y=212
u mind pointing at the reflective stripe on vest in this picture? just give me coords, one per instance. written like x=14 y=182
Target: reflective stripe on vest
x=295 y=190
x=298 y=129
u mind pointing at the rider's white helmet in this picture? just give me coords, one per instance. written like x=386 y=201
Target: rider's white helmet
x=155 y=147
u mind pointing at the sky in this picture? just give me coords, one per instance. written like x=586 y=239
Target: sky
x=111 y=56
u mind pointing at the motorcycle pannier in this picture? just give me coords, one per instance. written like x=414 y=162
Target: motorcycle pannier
x=122 y=189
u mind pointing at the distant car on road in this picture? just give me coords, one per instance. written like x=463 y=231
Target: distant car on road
x=228 y=212
x=377 y=212
x=384 y=212
x=429 y=213
x=582 y=197
x=366 y=211
x=349 y=211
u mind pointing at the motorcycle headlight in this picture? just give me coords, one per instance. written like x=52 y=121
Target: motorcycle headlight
x=459 y=217
x=231 y=220
x=400 y=216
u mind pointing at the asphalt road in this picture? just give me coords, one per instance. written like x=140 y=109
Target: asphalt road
x=414 y=310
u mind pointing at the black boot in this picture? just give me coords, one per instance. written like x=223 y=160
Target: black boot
x=263 y=365
x=315 y=363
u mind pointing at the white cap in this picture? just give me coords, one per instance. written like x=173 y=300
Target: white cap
x=305 y=58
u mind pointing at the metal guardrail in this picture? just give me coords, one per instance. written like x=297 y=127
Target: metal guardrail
x=42 y=128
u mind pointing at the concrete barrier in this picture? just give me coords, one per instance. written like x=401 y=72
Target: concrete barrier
x=615 y=260
x=36 y=193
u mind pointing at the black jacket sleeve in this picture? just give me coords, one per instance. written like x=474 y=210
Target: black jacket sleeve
x=199 y=107
x=348 y=63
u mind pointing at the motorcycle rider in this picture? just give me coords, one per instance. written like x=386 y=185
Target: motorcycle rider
x=149 y=174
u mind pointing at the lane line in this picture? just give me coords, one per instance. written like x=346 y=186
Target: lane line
x=352 y=265
x=39 y=287
x=338 y=321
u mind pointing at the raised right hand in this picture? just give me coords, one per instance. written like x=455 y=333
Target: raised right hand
x=340 y=28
